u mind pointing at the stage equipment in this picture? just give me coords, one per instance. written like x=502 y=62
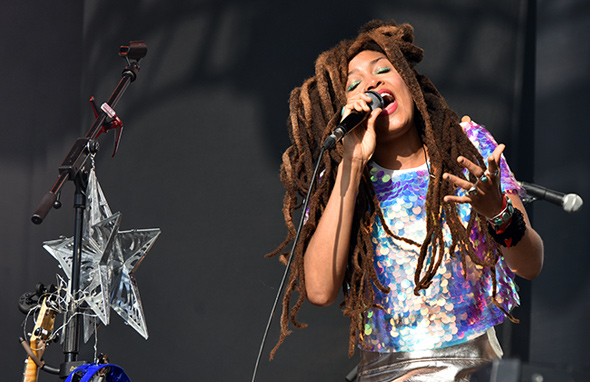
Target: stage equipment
x=99 y=260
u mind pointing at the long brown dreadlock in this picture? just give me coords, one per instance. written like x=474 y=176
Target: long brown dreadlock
x=314 y=113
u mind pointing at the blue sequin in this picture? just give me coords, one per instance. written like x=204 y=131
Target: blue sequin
x=457 y=306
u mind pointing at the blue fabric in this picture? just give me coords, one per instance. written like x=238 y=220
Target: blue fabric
x=116 y=373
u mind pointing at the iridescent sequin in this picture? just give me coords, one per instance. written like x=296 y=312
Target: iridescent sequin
x=455 y=308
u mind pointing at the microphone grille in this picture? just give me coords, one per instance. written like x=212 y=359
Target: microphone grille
x=572 y=202
x=377 y=100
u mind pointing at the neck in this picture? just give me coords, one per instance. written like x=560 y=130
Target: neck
x=402 y=152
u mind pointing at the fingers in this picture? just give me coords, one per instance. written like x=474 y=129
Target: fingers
x=498 y=152
x=360 y=143
x=458 y=182
x=470 y=166
x=359 y=102
x=373 y=116
x=485 y=193
x=494 y=161
x=492 y=173
x=485 y=181
x=473 y=191
x=484 y=196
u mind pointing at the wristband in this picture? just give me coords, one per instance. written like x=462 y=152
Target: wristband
x=512 y=233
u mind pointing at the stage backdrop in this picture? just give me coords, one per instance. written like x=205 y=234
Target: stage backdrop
x=204 y=129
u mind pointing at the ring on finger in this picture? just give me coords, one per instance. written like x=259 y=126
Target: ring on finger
x=484 y=177
x=472 y=191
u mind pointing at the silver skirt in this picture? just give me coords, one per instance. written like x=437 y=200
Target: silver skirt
x=450 y=364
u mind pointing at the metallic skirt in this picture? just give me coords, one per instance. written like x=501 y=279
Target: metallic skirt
x=450 y=364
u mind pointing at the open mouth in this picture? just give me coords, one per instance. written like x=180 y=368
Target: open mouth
x=389 y=101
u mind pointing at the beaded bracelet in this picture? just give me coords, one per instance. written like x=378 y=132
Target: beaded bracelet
x=504 y=216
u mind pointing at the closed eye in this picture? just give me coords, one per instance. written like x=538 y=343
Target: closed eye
x=353 y=86
x=383 y=70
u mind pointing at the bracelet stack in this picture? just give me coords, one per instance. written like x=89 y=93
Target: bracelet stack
x=508 y=227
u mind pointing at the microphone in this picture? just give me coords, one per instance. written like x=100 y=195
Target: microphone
x=353 y=120
x=569 y=202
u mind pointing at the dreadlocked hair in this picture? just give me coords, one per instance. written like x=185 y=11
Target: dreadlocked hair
x=314 y=113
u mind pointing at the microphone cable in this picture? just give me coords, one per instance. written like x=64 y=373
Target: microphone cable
x=289 y=261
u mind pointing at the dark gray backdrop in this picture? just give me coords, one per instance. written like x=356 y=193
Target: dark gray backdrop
x=199 y=158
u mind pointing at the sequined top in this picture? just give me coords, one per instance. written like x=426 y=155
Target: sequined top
x=454 y=308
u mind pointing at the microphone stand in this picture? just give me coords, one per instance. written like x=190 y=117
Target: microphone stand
x=74 y=168
x=328 y=144
x=290 y=259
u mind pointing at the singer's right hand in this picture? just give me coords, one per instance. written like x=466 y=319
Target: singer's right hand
x=360 y=143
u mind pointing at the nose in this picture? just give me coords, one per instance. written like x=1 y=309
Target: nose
x=374 y=83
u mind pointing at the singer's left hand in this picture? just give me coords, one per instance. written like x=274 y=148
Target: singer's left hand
x=485 y=194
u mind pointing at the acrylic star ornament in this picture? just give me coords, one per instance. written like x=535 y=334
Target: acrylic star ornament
x=109 y=259
x=132 y=246
x=96 y=267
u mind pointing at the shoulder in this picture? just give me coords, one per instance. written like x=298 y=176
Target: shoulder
x=474 y=130
x=485 y=143
x=481 y=138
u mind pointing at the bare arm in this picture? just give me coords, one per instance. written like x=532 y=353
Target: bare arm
x=326 y=255
x=526 y=257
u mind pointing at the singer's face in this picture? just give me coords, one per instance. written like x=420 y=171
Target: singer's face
x=370 y=70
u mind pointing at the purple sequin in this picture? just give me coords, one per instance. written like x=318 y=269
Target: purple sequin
x=458 y=305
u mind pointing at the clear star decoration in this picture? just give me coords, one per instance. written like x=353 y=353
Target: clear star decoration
x=96 y=265
x=109 y=259
x=133 y=245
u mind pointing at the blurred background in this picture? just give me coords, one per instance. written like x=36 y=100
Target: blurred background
x=205 y=127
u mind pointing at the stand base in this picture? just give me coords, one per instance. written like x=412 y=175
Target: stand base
x=66 y=368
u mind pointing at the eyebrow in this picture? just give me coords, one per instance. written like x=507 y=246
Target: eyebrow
x=373 y=62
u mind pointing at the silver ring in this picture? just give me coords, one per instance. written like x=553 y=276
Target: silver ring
x=483 y=178
x=472 y=191
x=496 y=173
